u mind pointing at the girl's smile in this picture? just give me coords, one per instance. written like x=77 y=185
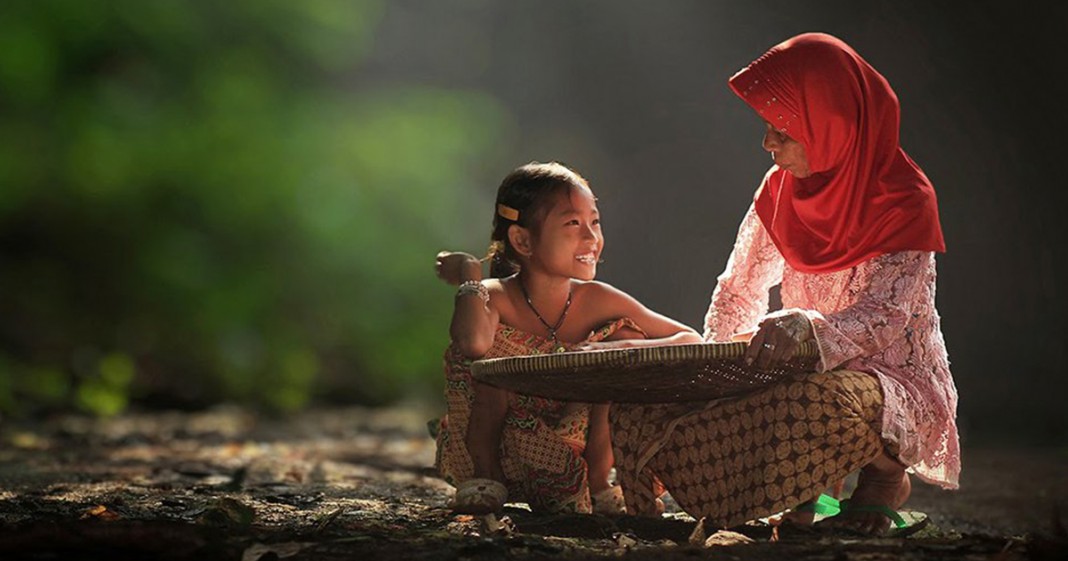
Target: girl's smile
x=587 y=258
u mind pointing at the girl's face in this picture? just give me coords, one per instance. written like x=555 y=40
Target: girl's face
x=570 y=241
x=787 y=153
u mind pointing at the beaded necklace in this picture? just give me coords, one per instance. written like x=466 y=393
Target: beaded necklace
x=557 y=347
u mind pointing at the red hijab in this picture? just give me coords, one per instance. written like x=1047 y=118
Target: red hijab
x=865 y=196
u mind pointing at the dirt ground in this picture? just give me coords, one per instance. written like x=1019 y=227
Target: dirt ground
x=356 y=483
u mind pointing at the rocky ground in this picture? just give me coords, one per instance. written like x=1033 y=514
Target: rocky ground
x=356 y=484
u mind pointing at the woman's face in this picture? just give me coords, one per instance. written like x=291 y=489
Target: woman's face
x=787 y=153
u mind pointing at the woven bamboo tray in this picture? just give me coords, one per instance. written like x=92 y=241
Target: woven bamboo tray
x=664 y=374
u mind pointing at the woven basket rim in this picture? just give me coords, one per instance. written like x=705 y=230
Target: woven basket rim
x=630 y=358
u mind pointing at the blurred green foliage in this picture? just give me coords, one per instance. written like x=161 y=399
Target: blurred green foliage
x=202 y=201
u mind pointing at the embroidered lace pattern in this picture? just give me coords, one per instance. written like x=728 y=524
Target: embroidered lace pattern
x=878 y=317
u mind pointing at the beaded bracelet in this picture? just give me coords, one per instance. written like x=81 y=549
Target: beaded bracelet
x=473 y=287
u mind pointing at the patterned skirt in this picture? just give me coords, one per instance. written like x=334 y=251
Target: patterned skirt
x=738 y=459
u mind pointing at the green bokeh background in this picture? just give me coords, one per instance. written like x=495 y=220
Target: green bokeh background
x=200 y=202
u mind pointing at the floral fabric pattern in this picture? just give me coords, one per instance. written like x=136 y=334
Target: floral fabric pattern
x=543 y=440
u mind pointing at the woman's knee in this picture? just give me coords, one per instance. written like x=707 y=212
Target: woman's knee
x=844 y=394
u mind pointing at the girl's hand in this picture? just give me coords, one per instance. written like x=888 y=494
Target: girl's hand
x=610 y=345
x=457 y=267
x=631 y=339
x=624 y=338
x=777 y=339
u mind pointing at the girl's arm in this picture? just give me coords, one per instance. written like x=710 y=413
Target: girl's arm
x=474 y=320
x=598 y=454
x=483 y=439
x=611 y=303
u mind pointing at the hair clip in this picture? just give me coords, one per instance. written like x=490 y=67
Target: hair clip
x=508 y=212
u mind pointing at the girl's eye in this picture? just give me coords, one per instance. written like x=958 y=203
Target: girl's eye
x=597 y=221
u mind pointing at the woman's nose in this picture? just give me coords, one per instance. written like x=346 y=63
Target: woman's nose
x=771 y=140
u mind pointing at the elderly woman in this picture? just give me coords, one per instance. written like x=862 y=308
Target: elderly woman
x=848 y=224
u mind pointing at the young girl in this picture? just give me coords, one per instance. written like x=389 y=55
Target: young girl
x=541 y=298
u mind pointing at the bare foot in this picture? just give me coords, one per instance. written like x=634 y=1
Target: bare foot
x=883 y=482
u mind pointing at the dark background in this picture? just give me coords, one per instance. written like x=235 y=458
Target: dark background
x=635 y=97
x=353 y=140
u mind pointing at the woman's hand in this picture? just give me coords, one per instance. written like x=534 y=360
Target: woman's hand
x=777 y=339
x=457 y=267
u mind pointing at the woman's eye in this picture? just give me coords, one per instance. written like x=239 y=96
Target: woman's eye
x=597 y=221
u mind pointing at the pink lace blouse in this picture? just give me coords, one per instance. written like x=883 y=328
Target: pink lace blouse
x=877 y=317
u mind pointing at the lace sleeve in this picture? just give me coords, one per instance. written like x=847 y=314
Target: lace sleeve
x=883 y=289
x=741 y=294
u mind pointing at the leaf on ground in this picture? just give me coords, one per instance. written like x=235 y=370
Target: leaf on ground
x=698 y=536
x=727 y=537
x=100 y=512
x=493 y=526
x=257 y=551
x=328 y=518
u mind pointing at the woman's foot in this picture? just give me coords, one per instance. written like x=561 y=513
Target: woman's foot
x=883 y=482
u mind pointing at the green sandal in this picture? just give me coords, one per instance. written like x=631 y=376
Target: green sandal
x=824 y=505
x=905 y=522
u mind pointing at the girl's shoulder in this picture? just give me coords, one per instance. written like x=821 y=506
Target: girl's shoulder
x=498 y=293
x=602 y=294
x=591 y=285
x=596 y=288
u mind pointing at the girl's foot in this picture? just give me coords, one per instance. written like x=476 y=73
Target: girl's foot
x=479 y=496
x=609 y=501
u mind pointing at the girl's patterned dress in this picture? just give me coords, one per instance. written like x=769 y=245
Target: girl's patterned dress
x=543 y=440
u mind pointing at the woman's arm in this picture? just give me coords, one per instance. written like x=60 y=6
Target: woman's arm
x=741 y=295
x=474 y=319
x=886 y=290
